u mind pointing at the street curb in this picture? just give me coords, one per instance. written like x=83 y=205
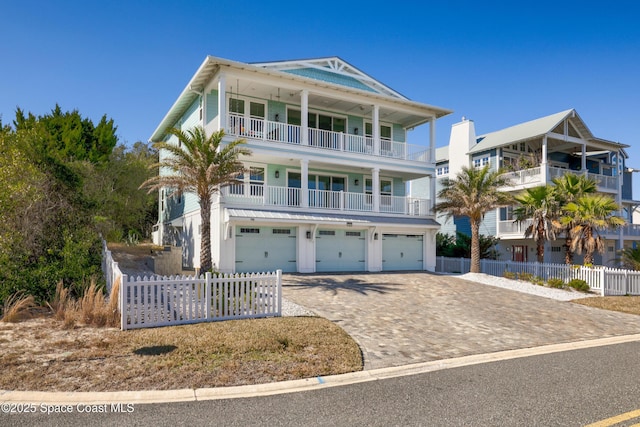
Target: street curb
x=308 y=384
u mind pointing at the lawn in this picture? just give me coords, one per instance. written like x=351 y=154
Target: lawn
x=40 y=354
x=625 y=304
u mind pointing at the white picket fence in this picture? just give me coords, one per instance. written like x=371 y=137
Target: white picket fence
x=606 y=281
x=153 y=301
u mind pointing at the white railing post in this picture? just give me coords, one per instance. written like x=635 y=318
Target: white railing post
x=207 y=295
x=602 y=282
x=279 y=290
x=122 y=303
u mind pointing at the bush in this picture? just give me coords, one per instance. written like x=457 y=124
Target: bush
x=526 y=276
x=509 y=275
x=538 y=281
x=555 y=283
x=579 y=285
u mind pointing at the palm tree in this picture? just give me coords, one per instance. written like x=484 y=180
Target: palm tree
x=471 y=194
x=589 y=214
x=201 y=165
x=570 y=187
x=540 y=205
x=630 y=258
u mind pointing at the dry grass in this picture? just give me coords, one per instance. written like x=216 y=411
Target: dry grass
x=92 y=309
x=625 y=304
x=16 y=307
x=41 y=355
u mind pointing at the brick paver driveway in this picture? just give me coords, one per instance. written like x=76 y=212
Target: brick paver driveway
x=403 y=318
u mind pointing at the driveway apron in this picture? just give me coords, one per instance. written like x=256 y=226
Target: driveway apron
x=403 y=318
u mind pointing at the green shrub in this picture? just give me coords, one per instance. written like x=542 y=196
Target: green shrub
x=538 y=281
x=528 y=277
x=509 y=275
x=579 y=285
x=555 y=283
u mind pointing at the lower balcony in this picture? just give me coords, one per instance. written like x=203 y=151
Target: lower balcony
x=284 y=133
x=287 y=197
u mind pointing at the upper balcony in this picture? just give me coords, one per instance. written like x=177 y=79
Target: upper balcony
x=533 y=177
x=277 y=132
x=278 y=198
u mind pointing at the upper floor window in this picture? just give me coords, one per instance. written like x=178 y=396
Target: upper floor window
x=443 y=170
x=480 y=162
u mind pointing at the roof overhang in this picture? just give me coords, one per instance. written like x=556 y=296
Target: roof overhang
x=212 y=65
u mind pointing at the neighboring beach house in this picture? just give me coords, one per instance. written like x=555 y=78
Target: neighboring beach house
x=534 y=153
x=327 y=182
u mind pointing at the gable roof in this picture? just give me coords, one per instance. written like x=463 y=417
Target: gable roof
x=521 y=132
x=211 y=65
x=338 y=67
x=536 y=129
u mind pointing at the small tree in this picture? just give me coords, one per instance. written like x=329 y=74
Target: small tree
x=538 y=204
x=471 y=194
x=199 y=165
x=569 y=187
x=589 y=214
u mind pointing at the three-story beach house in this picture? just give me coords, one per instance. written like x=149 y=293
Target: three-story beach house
x=532 y=154
x=326 y=187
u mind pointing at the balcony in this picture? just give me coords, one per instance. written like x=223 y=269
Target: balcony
x=287 y=197
x=534 y=176
x=283 y=133
x=511 y=228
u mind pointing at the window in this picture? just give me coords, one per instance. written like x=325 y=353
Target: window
x=326 y=233
x=443 y=170
x=353 y=233
x=478 y=163
x=281 y=231
x=556 y=249
x=386 y=187
x=254 y=180
x=249 y=230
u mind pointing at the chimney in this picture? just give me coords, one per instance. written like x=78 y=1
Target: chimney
x=461 y=140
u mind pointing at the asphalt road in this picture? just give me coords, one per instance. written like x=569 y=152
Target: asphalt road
x=572 y=388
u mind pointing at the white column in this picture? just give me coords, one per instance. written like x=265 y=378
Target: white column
x=304 y=117
x=432 y=160
x=583 y=158
x=304 y=183
x=432 y=140
x=376 y=131
x=222 y=102
x=544 y=166
x=620 y=243
x=375 y=190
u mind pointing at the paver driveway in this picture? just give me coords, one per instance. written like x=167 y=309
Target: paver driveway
x=403 y=318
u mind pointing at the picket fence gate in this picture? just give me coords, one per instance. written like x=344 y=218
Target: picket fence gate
x=604 y=280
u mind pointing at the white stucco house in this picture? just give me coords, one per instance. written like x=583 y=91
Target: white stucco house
x=327 y=182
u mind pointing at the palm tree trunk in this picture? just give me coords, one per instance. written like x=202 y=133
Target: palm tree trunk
x=540 y=243
x=568 y=254
x=475 y=247
x=205 y=237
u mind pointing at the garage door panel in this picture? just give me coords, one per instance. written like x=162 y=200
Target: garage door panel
x=402 y=252
x=340 y=250
x=261 y=249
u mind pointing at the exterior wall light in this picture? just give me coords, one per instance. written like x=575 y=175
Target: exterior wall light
x=277 y=174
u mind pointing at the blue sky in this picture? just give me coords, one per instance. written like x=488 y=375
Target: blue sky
x=497 y=63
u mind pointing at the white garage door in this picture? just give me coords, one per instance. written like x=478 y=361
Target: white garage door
x=340 y=250
x=402 y=252
x=260 y=249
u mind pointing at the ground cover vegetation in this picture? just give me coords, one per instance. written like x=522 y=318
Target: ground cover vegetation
x=64 y=180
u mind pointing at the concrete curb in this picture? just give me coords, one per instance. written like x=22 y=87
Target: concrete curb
x=309 y=384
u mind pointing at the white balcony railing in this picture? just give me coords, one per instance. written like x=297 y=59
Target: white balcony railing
x=511 y=227
x=271 y=196
x=535 y=176
x=337 y=141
